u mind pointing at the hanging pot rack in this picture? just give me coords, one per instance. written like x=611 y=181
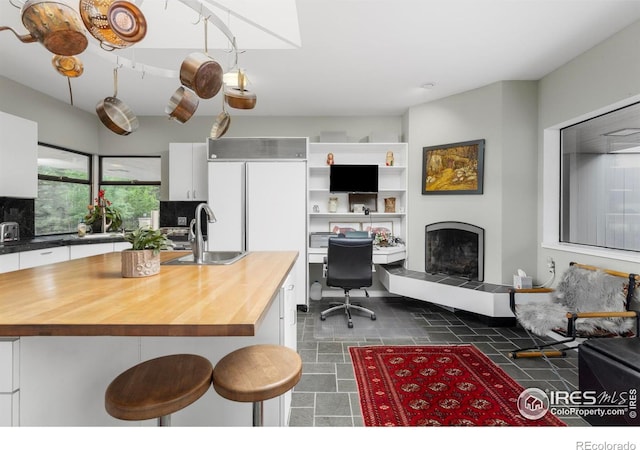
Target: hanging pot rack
x=204 y=13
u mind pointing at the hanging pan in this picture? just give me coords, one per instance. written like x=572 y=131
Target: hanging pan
x=201 y=73
x=182 y=105
x=53 y=24
x=115 y=114
x=221 y=125
x=240 y=98
x=116 y=24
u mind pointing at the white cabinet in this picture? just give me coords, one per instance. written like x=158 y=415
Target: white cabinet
x=81 y=251
x=18 y=157
x=260 y=205
x=9 y=262
x=35 y=258
x=188 y=171
x=119 y=246
x=9 y=381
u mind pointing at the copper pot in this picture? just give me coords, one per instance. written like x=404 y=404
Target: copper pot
x=239 y=97
x=202 y=74
x=55 y=25
x=182 y=104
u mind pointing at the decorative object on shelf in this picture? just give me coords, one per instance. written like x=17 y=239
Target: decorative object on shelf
x=330 y=159
x=453 y=168
x=333 y=204
x=390 y=205
x=358 y=208
x=370 y=202
x=316 y=208
x=102 y=215
x=383 y=238
x=389 y=158
x=82 y=229
x=143 y=259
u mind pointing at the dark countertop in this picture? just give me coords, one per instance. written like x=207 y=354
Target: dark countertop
x=54 y=241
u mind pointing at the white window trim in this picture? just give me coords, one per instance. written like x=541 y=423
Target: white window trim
x=551 y=191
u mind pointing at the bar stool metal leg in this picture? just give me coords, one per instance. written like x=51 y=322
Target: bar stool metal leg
x=164 y=421
x=258 y=414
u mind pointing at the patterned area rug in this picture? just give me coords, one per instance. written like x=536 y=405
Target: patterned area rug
x=436 y=385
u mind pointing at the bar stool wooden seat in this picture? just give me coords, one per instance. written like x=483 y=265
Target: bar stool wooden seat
x=257 y=373
x=158 y=387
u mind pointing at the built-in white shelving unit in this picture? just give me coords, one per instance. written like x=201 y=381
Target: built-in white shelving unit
x=392 y=183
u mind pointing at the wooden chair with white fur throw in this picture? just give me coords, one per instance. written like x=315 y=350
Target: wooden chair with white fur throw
x=587 y=302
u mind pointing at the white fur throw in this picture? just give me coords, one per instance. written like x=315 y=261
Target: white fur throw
x=579 y=290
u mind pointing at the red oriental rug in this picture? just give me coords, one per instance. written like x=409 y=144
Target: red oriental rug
x=437 y=385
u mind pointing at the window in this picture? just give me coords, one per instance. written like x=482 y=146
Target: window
x=132 y=184
x=600 y=181
x=64 y=189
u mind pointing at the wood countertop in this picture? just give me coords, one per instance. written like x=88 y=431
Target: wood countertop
x=89 y=297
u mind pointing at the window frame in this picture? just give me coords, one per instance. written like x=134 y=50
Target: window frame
x=102 y=184
x=64 y=179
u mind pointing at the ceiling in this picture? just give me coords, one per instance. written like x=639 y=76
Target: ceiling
x=326 y=57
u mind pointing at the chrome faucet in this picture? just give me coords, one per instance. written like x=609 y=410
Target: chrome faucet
x=195 y=232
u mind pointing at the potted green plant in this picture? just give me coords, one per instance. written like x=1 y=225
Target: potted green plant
x=143 y=258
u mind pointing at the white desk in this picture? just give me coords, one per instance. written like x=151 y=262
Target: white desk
x=381 y=255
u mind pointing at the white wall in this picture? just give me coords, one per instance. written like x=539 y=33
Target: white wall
x=605 y=77
x=504 y=114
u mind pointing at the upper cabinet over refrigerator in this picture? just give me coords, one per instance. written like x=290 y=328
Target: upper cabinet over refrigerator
x=257 y=190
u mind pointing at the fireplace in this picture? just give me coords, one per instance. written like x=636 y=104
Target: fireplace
x=456 y=249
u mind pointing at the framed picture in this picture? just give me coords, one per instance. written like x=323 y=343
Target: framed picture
x=357 y=201
x=378 y=227
x=343 y=227
x=453 y=168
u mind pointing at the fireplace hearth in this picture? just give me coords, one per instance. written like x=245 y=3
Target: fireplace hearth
x=455 y=249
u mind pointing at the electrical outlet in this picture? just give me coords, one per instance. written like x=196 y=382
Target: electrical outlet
x=551 y=264
x=182 y=221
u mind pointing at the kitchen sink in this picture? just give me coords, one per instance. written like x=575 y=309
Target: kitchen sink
x=208 y=258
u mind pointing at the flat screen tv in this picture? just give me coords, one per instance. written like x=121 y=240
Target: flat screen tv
x=354 y=178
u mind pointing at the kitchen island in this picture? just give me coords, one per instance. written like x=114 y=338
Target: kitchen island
x=69 y=328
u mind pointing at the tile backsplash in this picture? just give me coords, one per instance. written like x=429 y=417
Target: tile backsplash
x=19 y=210
x=170 y=212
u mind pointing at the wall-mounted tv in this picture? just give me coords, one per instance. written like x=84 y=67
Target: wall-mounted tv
x=354 y=178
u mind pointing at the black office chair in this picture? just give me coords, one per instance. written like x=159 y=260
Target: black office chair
x=349 y=267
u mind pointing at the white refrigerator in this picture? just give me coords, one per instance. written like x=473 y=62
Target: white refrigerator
x=261 y=205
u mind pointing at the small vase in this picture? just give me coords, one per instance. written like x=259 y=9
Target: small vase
x=140 y=263
x=333 y=204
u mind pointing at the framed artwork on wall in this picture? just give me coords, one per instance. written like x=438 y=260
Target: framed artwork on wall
x=456 y=168
x=344 y=227
x=378 y=227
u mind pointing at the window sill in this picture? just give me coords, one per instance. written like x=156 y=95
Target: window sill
x=620 y=255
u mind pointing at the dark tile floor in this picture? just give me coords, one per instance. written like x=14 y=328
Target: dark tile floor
x=327 y=393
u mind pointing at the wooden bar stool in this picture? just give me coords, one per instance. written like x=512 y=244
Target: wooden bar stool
x=158 y=387
x=257 y=373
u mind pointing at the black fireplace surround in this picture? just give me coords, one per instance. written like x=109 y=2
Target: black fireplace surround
x=455 y=249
